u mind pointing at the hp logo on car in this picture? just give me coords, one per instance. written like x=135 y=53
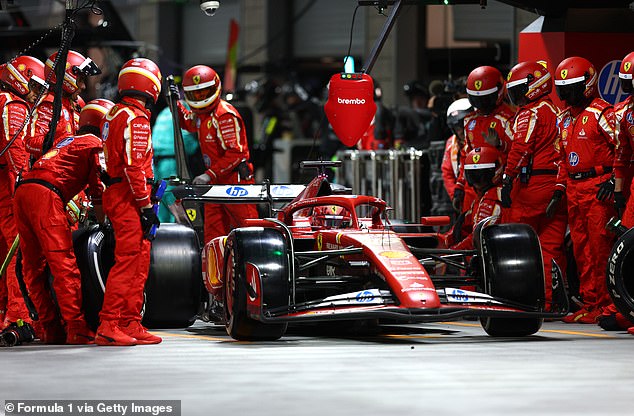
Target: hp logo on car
x=281 y=190
x=609 y=84
x=236 y=191
x=365 y=296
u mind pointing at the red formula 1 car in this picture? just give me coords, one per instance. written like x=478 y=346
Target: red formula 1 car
x=328 y=256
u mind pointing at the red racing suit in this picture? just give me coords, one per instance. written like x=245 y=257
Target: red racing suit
x=66 y=126
x=626 y=174
x=13 y=161
x=128 y=153
x=476 y=126
x=622 y=162
x=450 y=169
x=586 y=145
x=45 y=233
x=223 y=144
x=489 y=205
x=533 y=152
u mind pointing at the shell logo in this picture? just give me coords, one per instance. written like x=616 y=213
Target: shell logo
x=478 y=85
x=394 y=254
x=564 y=73
x=21 y=67
x=537 y=74
x=50 y=154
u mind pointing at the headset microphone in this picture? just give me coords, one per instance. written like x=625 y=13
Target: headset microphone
x=350 y=106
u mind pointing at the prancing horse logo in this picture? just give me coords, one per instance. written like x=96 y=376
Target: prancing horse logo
x=196 y=79
x=478 y=85
x=564 y=73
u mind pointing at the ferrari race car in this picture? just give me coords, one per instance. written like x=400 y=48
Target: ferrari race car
x=328 y=256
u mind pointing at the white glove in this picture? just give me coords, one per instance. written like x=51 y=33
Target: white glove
x=203 y=179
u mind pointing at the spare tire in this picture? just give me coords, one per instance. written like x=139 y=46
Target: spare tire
x=173 y=288
x=620 y=277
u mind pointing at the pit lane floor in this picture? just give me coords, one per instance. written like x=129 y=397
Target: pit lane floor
x=449 y=368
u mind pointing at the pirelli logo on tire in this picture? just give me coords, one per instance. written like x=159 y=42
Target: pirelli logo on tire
x=612 y=266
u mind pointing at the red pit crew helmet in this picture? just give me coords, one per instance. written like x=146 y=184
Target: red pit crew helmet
x=77 y=65
x=528 y=81
x=483 y=167
x=93 y=112
x=576 y=80
x=625 y=73
x=24 y=74
x=485 y=88
x=140 y=77
x=202 y=88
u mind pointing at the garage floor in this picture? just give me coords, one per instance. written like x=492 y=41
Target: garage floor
x=434 y=369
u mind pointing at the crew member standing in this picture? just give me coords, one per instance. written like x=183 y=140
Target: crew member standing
x=21 y=80
x=127 y=203
x=78 y=68
x=530 y=177
x=223 y=144
x=625 y=133
x=46 y=235
x=586 y=145
x=489 y=125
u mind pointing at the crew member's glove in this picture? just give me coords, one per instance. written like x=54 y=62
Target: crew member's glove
x=606 y=190
x=202 y=179
x=458 y=199
x=492 y=138
x=551 y=209
x=505 y=194
x=148 y=219
x=173 y=91
x=244 y=171
x=619 y=202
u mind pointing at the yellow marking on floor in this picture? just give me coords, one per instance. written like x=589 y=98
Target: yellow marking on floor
x=205 y=337
x=412 y=336
x=554 y=331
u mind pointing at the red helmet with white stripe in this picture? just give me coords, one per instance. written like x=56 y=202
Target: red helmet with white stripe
x=77 y=67
x=140 y=77
x=93 y=112
x=202 y=88
x=483 y=167
x=528 y=81
x=576 y=80
x=485 y=88
x=625 y=73
x=24 y=74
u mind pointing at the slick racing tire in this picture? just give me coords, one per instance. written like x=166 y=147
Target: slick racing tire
x=620 y=274
x=264 y=248
x=513 y=270
x=172 y=291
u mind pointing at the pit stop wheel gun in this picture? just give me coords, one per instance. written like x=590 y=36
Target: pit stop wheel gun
x=158 y=190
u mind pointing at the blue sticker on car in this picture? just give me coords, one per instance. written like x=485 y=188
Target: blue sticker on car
x=236 y=191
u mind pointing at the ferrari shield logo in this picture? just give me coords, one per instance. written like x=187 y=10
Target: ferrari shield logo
x=627 y=66
x=196 y=79
x=564 y=73
x=508 y=77
x=320 y=242
x=584 y=120
x=493 y=124
x=476 y=158
x=478 y=85
x=191 y=214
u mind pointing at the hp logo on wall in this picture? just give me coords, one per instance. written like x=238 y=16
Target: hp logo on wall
x=609 y=84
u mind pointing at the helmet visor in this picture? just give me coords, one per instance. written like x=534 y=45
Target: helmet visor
x=479 y=178
x=626 y=85
x=484 y=103
x=517 y=94
x=201 y=94
x=572 y=94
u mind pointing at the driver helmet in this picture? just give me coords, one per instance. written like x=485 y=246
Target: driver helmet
x=576 y=81
x=202 y=88
x=528 y=81
x=485 y=88
x=483 y=167
x=330 y=216
x=625 y=73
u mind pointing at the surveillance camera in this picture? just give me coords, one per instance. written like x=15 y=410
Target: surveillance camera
x=209 y=7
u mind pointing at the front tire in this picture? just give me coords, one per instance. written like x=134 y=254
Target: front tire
x=513 y=270
x=265 y=249
x=620 y=280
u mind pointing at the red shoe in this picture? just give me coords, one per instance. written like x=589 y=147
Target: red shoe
x=109 y=334
x=138 y=331
x=78 y=333
x=591 y=317
x=630 y=330
x=574 y=318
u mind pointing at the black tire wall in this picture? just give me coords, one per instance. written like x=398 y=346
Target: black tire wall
x=620 y=274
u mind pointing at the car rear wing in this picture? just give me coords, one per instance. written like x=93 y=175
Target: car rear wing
x=238 y=194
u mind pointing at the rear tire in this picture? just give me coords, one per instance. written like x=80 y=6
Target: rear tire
x=513 y=270
x=265 y=248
